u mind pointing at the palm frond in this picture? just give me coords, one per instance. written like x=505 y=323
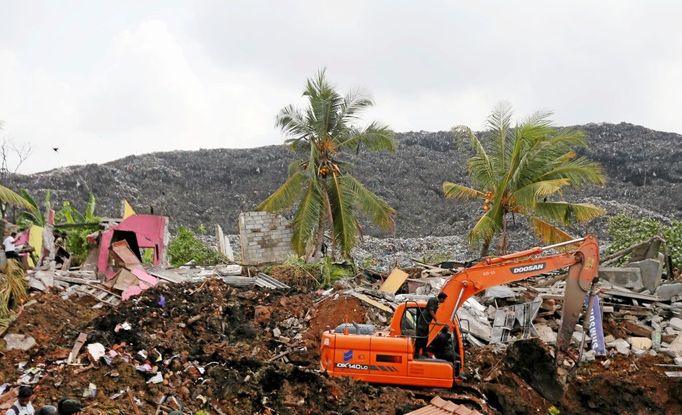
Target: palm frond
x=579 y=172
x=9 y=196
x=13 y=287
x=341 y=202
x=549 y=233
x=293 y=123
x=351 y=106
x=286 y=195
x=499 y=122
x=375 y=137
x=565 y=212
x=371 y=205
x=307 y=218
x=480 y=166
x=528 y=195
x=457 y=191
x=484 y=230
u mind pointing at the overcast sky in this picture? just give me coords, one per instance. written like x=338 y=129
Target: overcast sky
x=104 y=79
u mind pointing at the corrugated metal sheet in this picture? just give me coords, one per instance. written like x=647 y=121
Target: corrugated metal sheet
x=266 y=281
x=439 y=406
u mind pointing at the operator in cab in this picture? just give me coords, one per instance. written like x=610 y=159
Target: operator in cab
x=423 y=322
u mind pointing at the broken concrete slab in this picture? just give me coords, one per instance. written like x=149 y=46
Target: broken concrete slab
x=621 y=346
x=666 y=292
x=18 y=341
x=499 y=291
x=650 y=271
x=474 y=321
x=675 y=323
x=626 y=277
x=545 y=333
x=641 y=343
x=232 y=269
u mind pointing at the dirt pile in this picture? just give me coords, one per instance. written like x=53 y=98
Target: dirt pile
x=226 y=350
x=523 y=380
x=208 y=345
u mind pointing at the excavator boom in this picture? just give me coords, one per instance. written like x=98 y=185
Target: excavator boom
x=582 y=262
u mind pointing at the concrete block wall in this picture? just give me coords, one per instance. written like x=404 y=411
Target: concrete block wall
x=264 y=238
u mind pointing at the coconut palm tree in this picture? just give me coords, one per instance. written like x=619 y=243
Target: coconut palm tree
x=326 y=195
x=523 y=170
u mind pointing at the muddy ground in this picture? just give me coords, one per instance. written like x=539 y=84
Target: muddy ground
x=236 y=351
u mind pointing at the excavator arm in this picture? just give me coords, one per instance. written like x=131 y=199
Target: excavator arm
x=583 y=264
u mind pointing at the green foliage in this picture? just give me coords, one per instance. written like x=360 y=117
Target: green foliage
x=35 y=215
x=524 y=169
x=319 y=185
x=553 y=410
x=186 y=247
x=13 y=291
x=324 y=272
x=76 y=242
x=331 y=272
x=436 y=257
x=627 y=231
x=147 y=256
x=76 y=237
x=201 y=229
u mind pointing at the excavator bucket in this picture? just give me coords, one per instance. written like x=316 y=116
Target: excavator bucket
x=578 y=284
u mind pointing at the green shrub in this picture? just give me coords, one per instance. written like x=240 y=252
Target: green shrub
x=76 y=243
x=186 y=247
x=627 y=231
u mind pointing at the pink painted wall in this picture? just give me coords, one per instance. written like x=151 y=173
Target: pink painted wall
x=151 y=232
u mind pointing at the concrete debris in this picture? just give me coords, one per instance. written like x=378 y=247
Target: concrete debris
x=18 y=341
x=650 y=272
x=641 y=343
x=675 y=323
x=630 y=278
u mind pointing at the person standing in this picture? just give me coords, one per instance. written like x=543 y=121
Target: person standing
x=10 y=249
x=424 y=320
x=23 y=404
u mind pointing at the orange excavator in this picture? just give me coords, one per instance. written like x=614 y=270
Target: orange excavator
x=388 y=357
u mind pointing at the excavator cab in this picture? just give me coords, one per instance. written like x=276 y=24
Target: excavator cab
x=446 y=347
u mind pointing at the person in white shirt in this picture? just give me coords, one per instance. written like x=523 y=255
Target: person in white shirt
x=10 y=249
x=23 y=405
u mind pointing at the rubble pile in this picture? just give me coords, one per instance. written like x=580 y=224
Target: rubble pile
x=205 y=345
x=128 y=337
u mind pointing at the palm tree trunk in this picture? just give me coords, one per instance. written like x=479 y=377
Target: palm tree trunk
x=485 y=248
x=503 y=239
x=3 y=258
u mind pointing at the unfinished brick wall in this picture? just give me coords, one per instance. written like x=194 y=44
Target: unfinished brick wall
x=264 y=238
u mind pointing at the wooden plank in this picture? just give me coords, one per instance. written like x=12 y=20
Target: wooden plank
x=80 y=341
x=366 y=299
x=395 y=280
x=674 y=374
